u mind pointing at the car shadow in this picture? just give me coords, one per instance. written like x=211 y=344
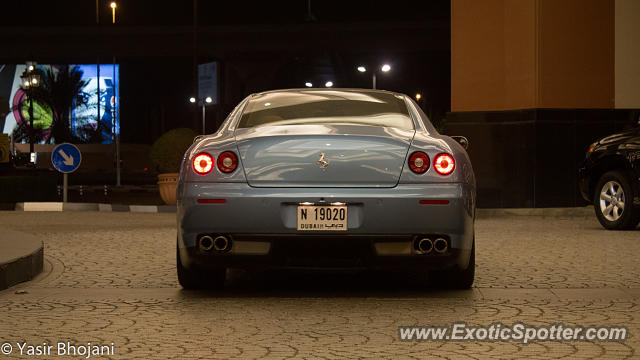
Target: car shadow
x=328 y=284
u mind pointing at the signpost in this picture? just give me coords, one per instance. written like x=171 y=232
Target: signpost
x=66 y=158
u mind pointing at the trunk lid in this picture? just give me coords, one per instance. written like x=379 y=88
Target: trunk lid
x=323 y=155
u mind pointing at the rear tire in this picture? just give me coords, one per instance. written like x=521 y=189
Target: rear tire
x=456 y=278
x=613 y=202
x=193 y=279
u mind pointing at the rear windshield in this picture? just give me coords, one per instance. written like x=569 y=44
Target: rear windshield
x=331 y=107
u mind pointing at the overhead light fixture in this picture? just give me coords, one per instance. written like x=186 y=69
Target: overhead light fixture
x=308 y=84
x=328 y=84
x=192 y=100
x=208 y=100
x=386 y=67
x=362 y=69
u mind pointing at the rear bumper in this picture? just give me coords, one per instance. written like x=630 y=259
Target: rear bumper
x=382 y=224
x=318 y=251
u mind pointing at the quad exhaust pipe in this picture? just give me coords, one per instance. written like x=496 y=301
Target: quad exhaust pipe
x=440 y=245
x=206 y=243
x=220 y=243
x=424 y=245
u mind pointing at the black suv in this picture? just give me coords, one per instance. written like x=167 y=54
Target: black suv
x=610 y=179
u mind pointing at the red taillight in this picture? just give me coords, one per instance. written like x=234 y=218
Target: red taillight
x=227 y=162
x=419 y=162
x=444 y=164
x=203 y=163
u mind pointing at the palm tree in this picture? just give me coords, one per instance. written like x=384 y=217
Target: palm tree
x=63 y=89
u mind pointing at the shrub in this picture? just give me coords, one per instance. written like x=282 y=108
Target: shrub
x=167 y=152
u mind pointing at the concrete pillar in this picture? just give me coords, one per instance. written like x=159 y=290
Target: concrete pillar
x=533 y=83
x=627 y=54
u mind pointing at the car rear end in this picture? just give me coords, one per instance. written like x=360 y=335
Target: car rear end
x=285 y=184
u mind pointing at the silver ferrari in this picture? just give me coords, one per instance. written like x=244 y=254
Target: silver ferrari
x=326 y=178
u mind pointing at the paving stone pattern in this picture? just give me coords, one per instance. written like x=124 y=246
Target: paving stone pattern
x=110 y=277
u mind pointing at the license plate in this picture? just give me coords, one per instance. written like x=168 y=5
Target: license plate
x=322 y=218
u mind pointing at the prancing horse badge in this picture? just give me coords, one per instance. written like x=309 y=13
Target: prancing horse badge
x=322 y=161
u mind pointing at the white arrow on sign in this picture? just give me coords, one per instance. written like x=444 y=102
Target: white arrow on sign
x=68 y=159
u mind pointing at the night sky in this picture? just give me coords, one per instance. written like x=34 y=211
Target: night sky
x=259 y=45
x=210 y=12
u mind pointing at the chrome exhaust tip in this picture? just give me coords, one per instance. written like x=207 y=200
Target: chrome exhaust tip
x=440 y=245
x=221 y=244
x=206 y=243
x=424 y=245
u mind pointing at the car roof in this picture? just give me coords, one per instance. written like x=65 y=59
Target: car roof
x=306 y=90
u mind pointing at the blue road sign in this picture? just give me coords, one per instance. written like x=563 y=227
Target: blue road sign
x=66 y=158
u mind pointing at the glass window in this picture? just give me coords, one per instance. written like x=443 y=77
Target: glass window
x=329 y=107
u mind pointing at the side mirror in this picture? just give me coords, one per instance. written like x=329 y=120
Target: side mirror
x=462 y=141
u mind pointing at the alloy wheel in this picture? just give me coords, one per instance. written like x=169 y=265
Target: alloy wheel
x=612 y=200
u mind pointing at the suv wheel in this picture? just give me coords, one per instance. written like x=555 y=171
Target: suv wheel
x=613 y=202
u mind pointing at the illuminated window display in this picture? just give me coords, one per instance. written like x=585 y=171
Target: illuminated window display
x=80 y=98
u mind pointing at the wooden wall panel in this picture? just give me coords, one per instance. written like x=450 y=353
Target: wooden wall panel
x=522 y=54
x=576 y=68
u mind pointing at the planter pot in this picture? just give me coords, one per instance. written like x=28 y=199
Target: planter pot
x=167 y=184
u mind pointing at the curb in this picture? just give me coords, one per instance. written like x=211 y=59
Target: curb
x=21 y=257
x=59 y=206
x=482 y=213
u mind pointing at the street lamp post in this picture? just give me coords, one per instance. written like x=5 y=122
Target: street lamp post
x=113 y=6
x=202 y=102
x=383 y=68
x=29 y=80
x=114 y=116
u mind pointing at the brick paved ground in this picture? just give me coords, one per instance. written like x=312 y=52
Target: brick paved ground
x=110 y=277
